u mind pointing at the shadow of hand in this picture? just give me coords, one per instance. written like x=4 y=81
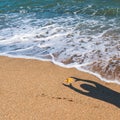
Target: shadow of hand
x=96 y=90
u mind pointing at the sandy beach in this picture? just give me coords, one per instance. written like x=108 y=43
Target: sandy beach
x=36 y=90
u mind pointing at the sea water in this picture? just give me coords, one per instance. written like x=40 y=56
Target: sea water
x=84 y=34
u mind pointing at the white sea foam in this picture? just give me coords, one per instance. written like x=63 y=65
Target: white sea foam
x=66 y=41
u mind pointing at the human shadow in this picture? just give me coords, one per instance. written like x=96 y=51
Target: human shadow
x=96 y=90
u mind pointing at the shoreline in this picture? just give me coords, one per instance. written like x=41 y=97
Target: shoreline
x=64 y=66
x=32 y=89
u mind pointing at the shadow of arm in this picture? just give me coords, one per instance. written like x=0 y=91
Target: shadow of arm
x=89 y=81
x=75 y=89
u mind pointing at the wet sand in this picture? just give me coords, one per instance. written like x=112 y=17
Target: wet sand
x=35 y=90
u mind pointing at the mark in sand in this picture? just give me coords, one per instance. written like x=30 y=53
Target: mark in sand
x=57 y=98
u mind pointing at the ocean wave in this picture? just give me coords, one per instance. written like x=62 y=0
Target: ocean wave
x=71 y=33
x=75 y=41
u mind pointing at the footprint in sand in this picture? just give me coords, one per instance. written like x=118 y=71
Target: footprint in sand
x=57 y=98
x=70 y=100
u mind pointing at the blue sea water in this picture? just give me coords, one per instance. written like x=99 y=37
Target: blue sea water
x=84 y=34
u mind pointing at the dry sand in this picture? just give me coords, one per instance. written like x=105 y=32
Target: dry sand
x=34 y=90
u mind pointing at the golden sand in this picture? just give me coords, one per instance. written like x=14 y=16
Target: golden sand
x=36 y=90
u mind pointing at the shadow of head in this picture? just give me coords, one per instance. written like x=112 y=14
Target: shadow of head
x=87 y=87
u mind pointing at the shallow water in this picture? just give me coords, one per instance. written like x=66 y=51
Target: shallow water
x=84 y=34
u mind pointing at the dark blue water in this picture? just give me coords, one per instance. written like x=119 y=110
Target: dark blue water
x=49 y=8
x=72 y=33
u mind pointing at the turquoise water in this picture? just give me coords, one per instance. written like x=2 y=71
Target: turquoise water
x=100 y=7
x=84 y=34
x=52 y=8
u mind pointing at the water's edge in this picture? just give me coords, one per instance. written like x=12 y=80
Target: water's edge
x=64 y=66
